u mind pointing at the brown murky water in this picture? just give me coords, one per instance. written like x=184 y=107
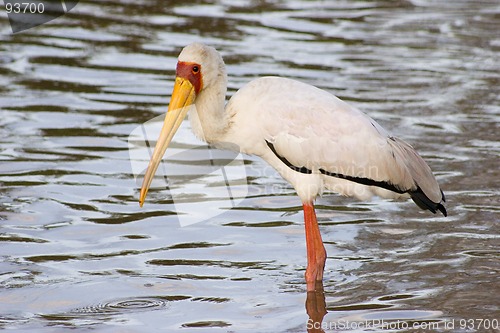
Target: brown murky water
x=78 y=252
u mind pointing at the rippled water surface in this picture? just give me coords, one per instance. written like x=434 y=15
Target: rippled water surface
x=78 y=252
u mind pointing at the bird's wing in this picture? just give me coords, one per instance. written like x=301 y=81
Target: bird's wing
x=314 y=130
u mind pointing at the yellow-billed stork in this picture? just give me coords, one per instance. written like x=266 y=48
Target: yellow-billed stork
x=313 y=139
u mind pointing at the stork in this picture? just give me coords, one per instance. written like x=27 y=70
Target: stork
x=314 y=140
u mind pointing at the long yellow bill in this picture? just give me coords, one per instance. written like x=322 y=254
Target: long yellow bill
x=183 y=96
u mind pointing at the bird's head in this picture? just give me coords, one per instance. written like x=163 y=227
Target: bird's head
x=198 y=68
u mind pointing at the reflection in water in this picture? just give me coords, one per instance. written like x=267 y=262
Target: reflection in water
x=78 y=252
x=316 y=308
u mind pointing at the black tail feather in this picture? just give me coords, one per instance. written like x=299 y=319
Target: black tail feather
x=422 y=201
x=442 y=209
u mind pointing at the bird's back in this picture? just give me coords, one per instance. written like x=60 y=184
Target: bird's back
x=311 y=129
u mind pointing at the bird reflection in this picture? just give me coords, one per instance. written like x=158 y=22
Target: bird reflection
x=316 y=308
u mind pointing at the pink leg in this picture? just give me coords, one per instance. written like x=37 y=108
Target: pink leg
x=316 y=253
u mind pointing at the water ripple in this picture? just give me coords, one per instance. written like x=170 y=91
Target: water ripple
x=72 y=91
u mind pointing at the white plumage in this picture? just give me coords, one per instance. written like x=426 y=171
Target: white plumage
x=313 y=139
x=313 y=129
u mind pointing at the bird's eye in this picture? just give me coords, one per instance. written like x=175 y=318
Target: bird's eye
x=196 y=69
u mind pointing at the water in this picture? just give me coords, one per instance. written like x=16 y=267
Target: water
x=78 y=252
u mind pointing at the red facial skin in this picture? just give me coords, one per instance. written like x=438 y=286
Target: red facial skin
x=191 y=71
